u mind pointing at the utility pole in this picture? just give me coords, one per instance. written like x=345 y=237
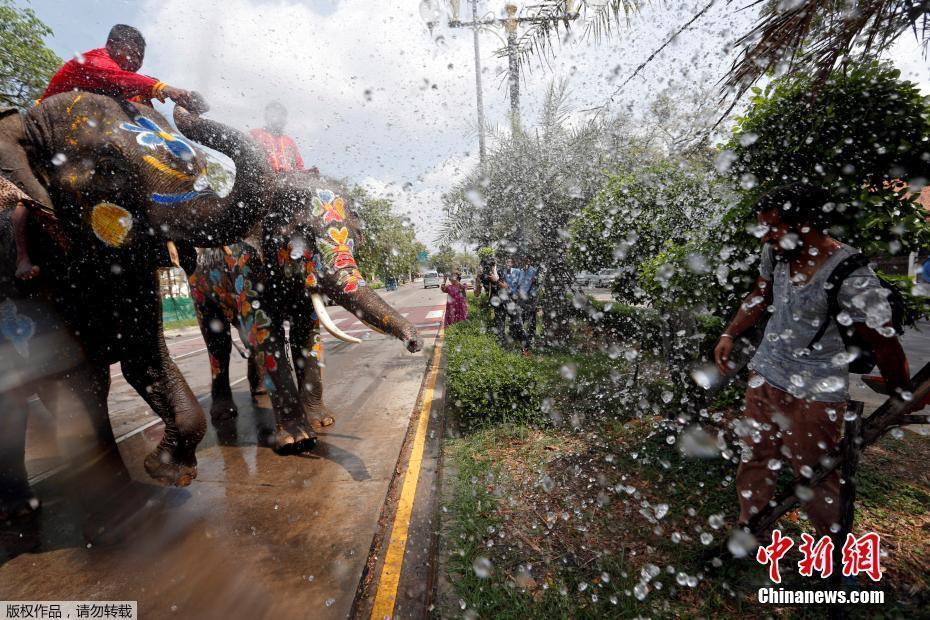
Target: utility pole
x=474 y=17
x=511 y=24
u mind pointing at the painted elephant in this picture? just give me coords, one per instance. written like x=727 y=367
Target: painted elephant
x=122 y=182
x=303 y=248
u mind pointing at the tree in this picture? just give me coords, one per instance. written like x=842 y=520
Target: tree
x=26 y=64
x=466 y=260
x=814 y=36
x=865 y=131
x=526 y=195
x=390 y=246
x=443 y=261
x=642 y=211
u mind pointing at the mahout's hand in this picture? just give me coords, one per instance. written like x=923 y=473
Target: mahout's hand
x=722 y=354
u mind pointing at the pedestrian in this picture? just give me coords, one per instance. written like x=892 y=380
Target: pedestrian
x=280 y=148
x=457 y=303
x=798 y=384
x=112 y=70
x=527 y=298
x=509 y=308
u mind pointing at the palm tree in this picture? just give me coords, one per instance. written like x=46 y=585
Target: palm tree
x=812 y=36
x=818 y=35
x=532 y=184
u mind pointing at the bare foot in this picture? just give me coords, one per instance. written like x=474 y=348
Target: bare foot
x=25 y=270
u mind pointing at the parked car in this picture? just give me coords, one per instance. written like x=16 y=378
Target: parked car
x=584 y=278
x=390 y=284
x=606 y=277
x=431 y=279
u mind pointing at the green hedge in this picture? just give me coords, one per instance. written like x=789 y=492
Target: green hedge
x=489 y=384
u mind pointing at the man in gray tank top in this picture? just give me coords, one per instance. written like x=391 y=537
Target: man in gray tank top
x=797 y=394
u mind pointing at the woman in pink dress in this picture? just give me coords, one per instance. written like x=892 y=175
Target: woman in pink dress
x=457 y=305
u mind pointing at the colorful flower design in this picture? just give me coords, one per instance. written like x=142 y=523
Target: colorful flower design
x=173 y=199
x=214 y=366
x=110 y=223
x=339 y=253
x=328 y=206
x=351 y=280
x=150 y=135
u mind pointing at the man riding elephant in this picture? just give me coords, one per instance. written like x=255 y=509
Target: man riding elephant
x=277 y=273
x=121 y=182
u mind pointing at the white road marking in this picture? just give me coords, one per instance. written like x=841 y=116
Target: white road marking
x=435 y=314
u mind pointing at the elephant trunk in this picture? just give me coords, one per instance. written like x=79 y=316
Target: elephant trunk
x=371 y=309
x=219 y=221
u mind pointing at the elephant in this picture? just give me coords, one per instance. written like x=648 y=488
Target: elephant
x=116 y=182
x=303 y=248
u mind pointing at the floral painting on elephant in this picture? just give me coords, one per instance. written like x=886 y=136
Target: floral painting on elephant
x=169 y=152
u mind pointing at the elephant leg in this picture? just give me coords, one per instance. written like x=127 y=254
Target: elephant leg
x=216 y=333
x=157 y=379
x=294 y=433
x=307 y=353
x=16 y=497
x=256 y=376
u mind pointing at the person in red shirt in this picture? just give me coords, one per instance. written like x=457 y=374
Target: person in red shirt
x=280 y=149
x=111 y=70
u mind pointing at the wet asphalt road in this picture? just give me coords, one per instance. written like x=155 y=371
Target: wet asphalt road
x=257 y=534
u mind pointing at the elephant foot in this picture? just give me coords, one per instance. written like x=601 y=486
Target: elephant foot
x=223 y=409
x=294 y=437
x=169 y=470
x=319 y=417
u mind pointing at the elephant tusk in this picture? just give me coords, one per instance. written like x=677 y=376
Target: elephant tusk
x=327 y=322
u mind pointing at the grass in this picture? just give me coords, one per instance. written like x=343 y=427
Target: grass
x=569 y=521
x=179 y=324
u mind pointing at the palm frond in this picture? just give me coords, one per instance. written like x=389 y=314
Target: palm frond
x=549 y=19
x=818 y=35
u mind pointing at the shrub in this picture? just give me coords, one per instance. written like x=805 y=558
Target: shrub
x=487 y=384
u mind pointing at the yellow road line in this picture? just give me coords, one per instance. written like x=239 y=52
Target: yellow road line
x=386 y=595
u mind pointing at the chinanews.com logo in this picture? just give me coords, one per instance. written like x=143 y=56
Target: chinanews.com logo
x=859 y=555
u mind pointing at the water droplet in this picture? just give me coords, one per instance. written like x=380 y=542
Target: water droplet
x=59 y=159
x=756 y=381
x=774 y=464
x=482 y=567
x=706 y=538
x=741 y=543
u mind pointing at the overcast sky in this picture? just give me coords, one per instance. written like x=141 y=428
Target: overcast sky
x=373 y=97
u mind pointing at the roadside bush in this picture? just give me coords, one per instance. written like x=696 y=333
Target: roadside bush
x=490 y=385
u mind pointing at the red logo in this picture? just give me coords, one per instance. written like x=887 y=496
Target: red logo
x=860 y=555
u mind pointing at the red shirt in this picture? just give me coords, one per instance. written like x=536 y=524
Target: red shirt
x=100 y=74
x=281 y=150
